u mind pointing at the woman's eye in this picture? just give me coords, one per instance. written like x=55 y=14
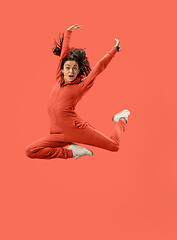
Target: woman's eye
x=75 y=69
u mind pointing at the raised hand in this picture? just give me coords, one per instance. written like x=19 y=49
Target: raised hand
x=74 y=27
x=117 y=42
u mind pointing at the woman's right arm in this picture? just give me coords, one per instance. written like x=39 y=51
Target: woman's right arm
x=65 y=47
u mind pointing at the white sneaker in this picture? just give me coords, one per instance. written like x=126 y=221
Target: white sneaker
x=122 y=114
x=79 y=151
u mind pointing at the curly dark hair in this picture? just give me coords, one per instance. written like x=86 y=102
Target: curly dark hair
x=75 y=54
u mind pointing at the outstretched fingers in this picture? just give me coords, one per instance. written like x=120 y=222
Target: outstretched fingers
x=74 y=27
x=117 y=42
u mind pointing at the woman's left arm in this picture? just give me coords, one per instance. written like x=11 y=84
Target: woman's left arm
x=99 y=67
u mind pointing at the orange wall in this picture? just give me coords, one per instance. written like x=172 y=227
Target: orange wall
x=127 y=195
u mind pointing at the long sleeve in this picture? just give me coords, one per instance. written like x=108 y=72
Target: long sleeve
x=65 y=49
x=98 y=68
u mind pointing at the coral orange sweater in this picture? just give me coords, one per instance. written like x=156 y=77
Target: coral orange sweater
x=65 y=96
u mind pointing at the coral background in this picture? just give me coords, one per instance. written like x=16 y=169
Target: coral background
x=130 y=194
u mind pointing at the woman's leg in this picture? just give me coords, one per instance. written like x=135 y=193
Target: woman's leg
x=49 y=147
x=90 y=136
x=53 y=145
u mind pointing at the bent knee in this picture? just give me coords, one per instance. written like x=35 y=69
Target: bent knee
x=29 y=152
x=115 y=147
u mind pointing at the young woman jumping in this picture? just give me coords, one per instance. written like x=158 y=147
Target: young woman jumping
x=74 y=78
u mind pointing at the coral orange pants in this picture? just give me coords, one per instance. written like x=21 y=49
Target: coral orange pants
x=52 y=146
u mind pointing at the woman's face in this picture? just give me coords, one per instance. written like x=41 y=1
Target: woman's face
x=70 y=70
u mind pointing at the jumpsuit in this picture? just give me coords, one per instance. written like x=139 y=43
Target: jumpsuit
x=65 y=124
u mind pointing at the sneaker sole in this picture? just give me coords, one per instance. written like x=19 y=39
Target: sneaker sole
x=88 y=152
x=121 y=114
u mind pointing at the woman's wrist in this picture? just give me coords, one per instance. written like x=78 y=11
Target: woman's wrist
x=117 y=47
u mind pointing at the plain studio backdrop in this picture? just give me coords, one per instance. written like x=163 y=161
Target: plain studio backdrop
x=129 y=194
